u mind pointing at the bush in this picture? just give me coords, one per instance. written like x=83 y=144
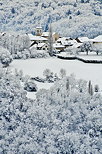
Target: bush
x=30 y=86
x=38 y=53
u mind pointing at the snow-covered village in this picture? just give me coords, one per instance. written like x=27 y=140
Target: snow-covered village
x=51 y=77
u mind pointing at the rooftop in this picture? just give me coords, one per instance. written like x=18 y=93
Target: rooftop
x=36 y=38
x=58 y=45
x=83 y=39
x=46 y=34
x=41 y=45
x=98 y=38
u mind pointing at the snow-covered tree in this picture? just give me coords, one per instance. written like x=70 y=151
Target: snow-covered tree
x=62 y=73
x=61 y=120
x=47 y=73
x=16 y=44
x=5 y=57
x=86 y=47
x=30 y=86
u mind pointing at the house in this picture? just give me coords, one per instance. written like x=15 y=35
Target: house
x=39 y=46
x=37 y=39
x=76 y=45
x=97 y=42
x=82 y=39
x=54 y=35
x=65 y=41
x=97 y=39
x=39 y=32
x=42 y=46
x=58 y=46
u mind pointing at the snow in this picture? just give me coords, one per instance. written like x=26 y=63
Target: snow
x=84 y=39
x=91 y=57
x=58 y=45
x=35 y=38
x=41 y=45
x=98 y=38
x=27 y=16
x=39 y=27
x=76 y=45
x=46 y=34
x=33 y=47
x=40 y=85
x=65 y=54
x=65 y=41
x=35 y=67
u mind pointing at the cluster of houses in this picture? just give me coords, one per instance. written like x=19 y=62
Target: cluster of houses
x=40 y=41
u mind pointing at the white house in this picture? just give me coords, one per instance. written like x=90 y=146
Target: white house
x=82 y=39
x=58 y=46
x=97 y=43
x=66 y=41
x=55 y=36
x=37 y=39
x=98 y=39
x=42 y=46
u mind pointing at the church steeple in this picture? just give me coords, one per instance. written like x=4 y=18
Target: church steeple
x=38 y=31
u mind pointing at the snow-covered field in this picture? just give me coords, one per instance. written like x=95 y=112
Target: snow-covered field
x=35 y=67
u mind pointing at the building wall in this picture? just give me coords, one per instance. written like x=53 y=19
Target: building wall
x=55 y=37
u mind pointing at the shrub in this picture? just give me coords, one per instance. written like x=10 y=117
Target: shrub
x=30 y=86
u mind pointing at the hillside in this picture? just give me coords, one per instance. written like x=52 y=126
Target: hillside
x=69 y=17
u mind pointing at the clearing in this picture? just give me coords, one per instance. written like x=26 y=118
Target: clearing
x=35 y=67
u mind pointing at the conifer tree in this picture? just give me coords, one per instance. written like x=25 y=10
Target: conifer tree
x=50 y=41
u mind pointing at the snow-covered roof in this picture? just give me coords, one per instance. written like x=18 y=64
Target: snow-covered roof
x=72 y=41
x=76 y=45
x=62 y=39
x=66 y=41
x=39 y=27
x=58 y=45
x=98 y=38
x=46 y=34
x=33 y=46
x=83 y=39
x=36 y=38
x=41 y=45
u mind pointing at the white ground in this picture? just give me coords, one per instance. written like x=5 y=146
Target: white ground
x=35 y=67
